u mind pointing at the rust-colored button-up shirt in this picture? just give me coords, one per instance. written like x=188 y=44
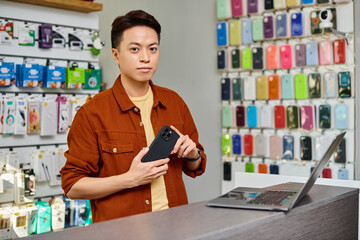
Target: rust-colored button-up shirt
x=107 y=134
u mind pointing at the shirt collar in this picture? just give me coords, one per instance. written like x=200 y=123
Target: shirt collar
x=124 y=101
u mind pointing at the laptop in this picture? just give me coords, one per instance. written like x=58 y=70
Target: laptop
x=282 y=197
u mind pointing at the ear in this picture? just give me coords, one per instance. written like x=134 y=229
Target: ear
x=115 y=54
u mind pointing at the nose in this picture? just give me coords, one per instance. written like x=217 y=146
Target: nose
x=144 y=57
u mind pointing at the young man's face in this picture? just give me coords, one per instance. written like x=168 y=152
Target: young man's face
x=138 y=53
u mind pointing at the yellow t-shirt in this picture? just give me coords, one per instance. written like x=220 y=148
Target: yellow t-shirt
x=158 y=191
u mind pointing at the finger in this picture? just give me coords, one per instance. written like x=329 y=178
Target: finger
x=183 y=146
x=189 y=149
x=141 y=154
x=160 y=162
x=179 y=142
x=177 y=131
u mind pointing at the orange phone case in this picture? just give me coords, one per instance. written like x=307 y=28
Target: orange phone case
x=272 y=57
x=263 y=168
x=274 y=87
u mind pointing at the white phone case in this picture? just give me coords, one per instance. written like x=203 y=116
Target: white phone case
x=266 y=116
x=250 y=88
x=261 y=145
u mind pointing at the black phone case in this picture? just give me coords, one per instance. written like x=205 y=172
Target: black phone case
x=305 y=148
x=257 y=58
x=227 y=171
x=162 y=145
x=269 y=4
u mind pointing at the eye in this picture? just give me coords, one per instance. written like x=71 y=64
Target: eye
x=134 y=49
x=153 y=49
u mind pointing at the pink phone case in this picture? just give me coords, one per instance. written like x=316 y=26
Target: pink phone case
x=237 y=8
x=286 y=56
x=275 y=147
x=325 y=52
x=307 y=117
x=272 y=57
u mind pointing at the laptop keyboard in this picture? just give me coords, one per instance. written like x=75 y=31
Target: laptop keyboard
x=275 y=198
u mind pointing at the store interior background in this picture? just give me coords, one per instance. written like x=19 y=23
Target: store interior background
x=187 y=65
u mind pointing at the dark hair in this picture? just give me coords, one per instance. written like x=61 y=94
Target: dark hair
x=132 y=19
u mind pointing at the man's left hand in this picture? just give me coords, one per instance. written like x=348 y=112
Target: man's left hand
x=184 y=147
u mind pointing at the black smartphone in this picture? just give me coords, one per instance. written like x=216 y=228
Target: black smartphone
x=162 y=145
x=305 y=148
x=227 y=171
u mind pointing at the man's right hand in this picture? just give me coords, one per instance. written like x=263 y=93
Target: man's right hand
x=143 y=173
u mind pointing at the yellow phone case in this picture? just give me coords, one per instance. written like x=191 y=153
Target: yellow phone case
x=262 y=87
x=235 y=32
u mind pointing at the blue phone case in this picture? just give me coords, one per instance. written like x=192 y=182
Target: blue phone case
x=306 y=2
x=281 y=25
x=312 y=58
x=341 y=116
x=222 y=34
x=252 y=116
x=287 y=86
x=236 y=141
x=296 y=24
x=274 y=169
x=288 y=147
x=221 y=59
x=343 y=174
x=225 y=89
x=246 y=31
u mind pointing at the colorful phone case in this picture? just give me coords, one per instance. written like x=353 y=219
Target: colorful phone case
x=226 y=144
x=246 y=31
x=325 y=116
x=246 y=58
x=326 y=173
x=339 y=51
x=262 y=87
x=343 y=174
x=257 y=58
x=263 y=168
x=286 y=56
x=341 y=116
x=240 y=116
x=222 y=34
x=268 y=25
x=225 y=89
x=250 y=86
x=248 y=144
x=249 y=167
x=272 y=57
x=305 y=148
x=235 y=58
x=258 y=28
x=237 y=89
x=307 y=116
x=227 y=171
x=330 y=82
x=287 y=86
x=222 y=9
x=292 y=117
x=315 y=22
x=282 y=29
x=253 y=6
x=300 y=55
x=274 y=87
x=261 y=145
x=237 y=8
x=344 y=82
x=292 y=3
x=297 y=25
x=274 y=169
x=301 y=87
x=266 y=113
x=275 y=147
x=340 y=153
x=312 y=54
x=236 y=144
x=252 y=116
x=314 y=85
x=279 y=4
x=227 y=116
x=279 y=116
x=325 y=52
x=235 y=32
x=268 y=4
x=288 y=147
x=221 y=59
x=308 y=2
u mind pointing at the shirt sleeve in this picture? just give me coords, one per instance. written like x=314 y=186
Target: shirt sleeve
x=83 y=155
x=191 y=131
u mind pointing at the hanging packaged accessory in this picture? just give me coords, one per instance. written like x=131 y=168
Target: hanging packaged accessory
x=45 y=36
x=75 y=76
x=92 y=77
x=6 y=32
x=7 y=74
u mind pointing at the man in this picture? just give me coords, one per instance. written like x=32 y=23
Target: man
x=108 y=135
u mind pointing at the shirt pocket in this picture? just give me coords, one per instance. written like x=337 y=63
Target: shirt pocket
x=116 y=158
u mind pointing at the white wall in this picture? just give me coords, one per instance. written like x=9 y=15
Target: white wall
x=187 y=65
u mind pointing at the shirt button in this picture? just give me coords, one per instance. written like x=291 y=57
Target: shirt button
x=147 y=202
x=141 y=124
x=114 y=150
x=136 y=109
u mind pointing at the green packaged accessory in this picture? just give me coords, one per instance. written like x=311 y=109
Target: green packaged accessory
x=92 y=79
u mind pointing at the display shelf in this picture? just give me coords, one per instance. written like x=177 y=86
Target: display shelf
x=72 y=5
x=10 y=141
x=75 y=91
